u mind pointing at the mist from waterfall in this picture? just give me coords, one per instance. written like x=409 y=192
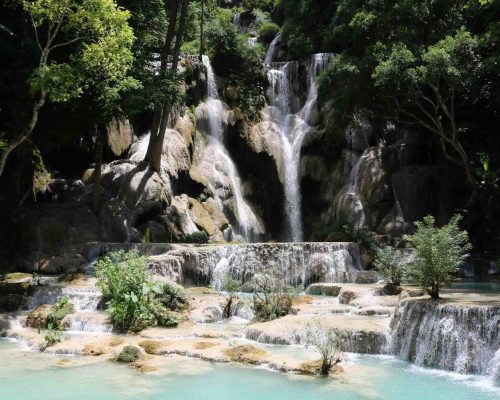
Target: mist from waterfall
x=249 y=225
x=293 y=128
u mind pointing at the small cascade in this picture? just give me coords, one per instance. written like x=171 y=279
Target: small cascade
x=249 y=225
x=84 y=298
x=459 y=337
x=349 y=198
x=88 y=322
x=272 y=50
x=293 y=129
x=494 y=369
x=297 y=264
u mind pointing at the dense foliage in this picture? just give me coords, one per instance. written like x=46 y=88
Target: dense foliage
x=439 y=252
x=389 y=264
x=133 y=301
x=272 y=299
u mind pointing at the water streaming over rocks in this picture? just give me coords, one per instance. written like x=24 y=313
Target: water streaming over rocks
x=213 y=109
x=294 y=124
x=457 y=337
x=84 y=298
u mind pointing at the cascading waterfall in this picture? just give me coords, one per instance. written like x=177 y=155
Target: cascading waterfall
x=248 y=222
x=272 y=49
x=296 y=264
x=459 y=338
x=293 y=129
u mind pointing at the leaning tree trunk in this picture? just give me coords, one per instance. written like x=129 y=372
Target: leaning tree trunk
x=202 y=36
x=180 y=35
x=97 y=191
x=25 y=134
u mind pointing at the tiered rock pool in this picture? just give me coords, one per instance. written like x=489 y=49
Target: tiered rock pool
x=30 y=375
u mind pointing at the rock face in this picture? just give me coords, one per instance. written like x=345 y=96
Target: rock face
x=452 y=336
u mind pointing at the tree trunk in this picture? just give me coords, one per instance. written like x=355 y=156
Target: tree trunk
x=25 y=134
x=180 y=34
x=99 y=147
x=155 y=145
x=202 y=37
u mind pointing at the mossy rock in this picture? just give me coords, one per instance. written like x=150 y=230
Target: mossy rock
x=246 y=354
x=41 y=316
x=18 y=277
x=129 y=354
x=38 y=318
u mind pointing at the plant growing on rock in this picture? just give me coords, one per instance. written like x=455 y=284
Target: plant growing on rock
x=133 y=301
x=230 y=285
x=325 y=341
x=439 y=252
x=53 y=335
x=389 y=263
x=272 y=299
x=173 y=296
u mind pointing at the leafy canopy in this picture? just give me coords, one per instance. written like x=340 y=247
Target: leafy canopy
x=100 y=39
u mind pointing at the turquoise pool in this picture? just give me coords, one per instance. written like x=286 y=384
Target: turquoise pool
x=32 y=376
x=477 y=286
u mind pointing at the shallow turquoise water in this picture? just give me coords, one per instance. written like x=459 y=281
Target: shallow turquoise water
x=30 y=376
x=477 y=286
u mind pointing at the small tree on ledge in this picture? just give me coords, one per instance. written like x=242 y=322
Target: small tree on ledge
x=439 y=253
x=325 y=341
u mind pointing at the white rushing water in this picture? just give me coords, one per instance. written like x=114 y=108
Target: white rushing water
x=349 y=198
x=293 y=127
x=460 y=338
x=295 y=264
x=272 y=49
x=249 y=225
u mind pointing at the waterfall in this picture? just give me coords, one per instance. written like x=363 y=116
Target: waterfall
x=457 y=337
x=296 y=264
x=293 y=129
x=349 y=197
x=249 y=225
x=84 y=298
x=271 y=50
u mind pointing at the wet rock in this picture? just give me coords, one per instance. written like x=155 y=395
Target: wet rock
x=366 y=277
x=119 y=135
x=325 y=289
x=94 y=349
x=314 y=368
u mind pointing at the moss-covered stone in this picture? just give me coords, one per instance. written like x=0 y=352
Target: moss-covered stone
x=129 y=354
x=246 y=354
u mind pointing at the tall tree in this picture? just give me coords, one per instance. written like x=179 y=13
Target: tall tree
x=98 y=37
x=176 y=28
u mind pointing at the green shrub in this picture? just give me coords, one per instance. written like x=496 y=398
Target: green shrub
x=389 y=263
x=268 y=31
x=199 y=237
x=62 y=308
x=129 y=354
x=53 y=335
x=272 y=299
x=439 y=252
x=133 y=301
x=230 y=285
x=173 y=296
